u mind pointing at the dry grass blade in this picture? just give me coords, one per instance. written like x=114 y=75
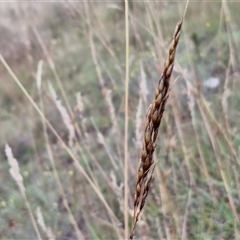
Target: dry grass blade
x=153 y=120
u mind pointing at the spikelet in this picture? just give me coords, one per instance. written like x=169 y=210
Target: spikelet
x=153 y=120
x=14 y=170
x=65 y=116
x=41 y=223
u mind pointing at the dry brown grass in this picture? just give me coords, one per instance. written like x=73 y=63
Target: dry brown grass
x=153 y=121
x=79 y=152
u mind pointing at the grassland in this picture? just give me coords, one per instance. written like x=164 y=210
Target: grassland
x=70 y=58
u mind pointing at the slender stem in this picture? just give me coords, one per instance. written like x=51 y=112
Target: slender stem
x=126 y=123
x=31 y=214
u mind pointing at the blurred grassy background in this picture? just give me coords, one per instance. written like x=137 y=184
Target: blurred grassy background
x=198 y=146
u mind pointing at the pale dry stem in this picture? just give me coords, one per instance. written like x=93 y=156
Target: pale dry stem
x=126 y=123
x=220 y=163
x=191 y=92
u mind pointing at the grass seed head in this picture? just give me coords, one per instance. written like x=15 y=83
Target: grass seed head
x=153 y=120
